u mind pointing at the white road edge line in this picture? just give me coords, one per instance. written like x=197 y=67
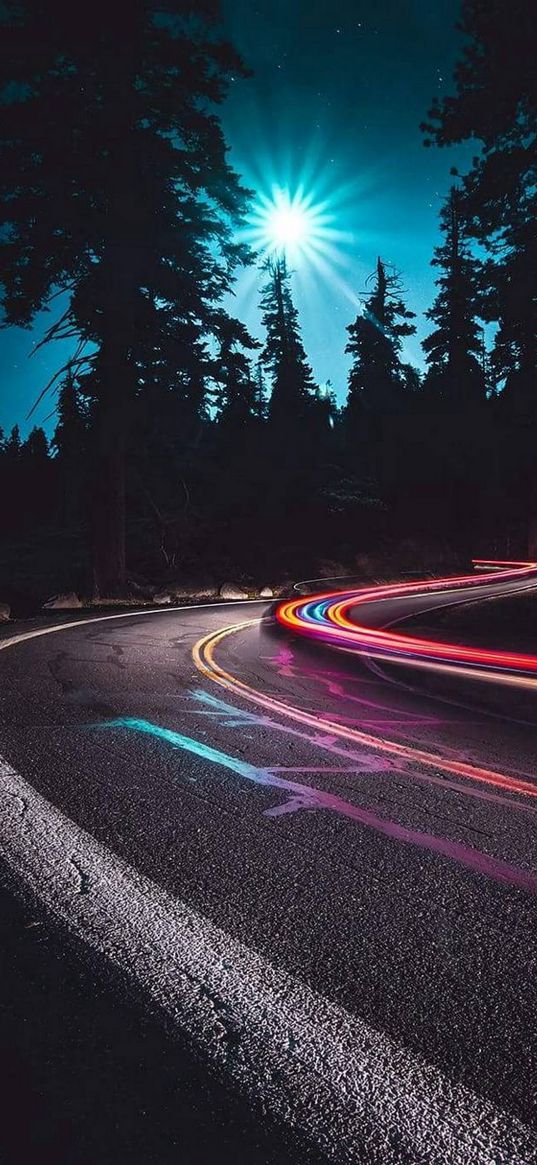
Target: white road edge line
x=13 y=640
x=353 y=1092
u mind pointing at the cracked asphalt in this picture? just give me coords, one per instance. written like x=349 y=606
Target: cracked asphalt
x=432 y=948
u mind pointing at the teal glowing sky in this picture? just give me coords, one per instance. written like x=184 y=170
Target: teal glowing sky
x=333 y=108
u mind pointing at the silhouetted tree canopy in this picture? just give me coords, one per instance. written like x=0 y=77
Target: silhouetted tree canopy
x=119 y=214
x=115 y=188
x=283 y=354
x=495 y=103
x=454 y=350
x=236 y=395
x=377 y=377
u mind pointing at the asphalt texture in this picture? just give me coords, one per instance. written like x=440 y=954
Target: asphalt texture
x=437 y=954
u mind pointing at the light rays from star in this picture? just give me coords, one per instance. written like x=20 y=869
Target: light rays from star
x=302 y=224
x=310 y=211
x=291 y=224
x=299 y=226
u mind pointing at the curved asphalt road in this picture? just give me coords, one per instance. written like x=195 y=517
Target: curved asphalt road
x=341 y=922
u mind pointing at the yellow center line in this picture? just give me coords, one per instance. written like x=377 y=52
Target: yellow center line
x=203 y=654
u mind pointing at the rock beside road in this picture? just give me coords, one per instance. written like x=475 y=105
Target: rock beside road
x=162 y=597
x=67 y=602
x=169 y=593
x=194 y=589
x=5 y=612
x=231 y=590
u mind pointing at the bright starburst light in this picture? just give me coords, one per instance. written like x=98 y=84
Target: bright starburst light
x=304 y=219
x=288 y=224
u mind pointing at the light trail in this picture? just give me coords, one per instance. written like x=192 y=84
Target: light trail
x=326 y=730
x=307 y=797
x=327 y=617
x=336 y=738
x=360 y=639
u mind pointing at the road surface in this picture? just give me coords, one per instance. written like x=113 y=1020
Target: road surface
x=322 y=879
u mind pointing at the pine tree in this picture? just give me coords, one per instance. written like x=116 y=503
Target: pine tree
x=328 y=402
x=412 y=381
x=514 y=354
x=70 y=435
x=283 y=354
x=260 y=404
x=495 y=103
x=35 y=449
x=115 y=188
x=454 y=349
x=70 y=446
x=13 y=445
x=377 y=378
x=237 y=391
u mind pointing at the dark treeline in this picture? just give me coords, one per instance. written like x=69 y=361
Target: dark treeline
x=185 y=447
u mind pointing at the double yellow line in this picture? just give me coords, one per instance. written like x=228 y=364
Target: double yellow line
x=203 y=654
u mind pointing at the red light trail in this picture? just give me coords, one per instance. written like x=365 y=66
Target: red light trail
x=327 y=617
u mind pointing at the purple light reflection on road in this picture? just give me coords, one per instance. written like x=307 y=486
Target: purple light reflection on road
x=307 y=797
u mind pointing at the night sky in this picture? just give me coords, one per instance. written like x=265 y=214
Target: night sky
x=338 y=92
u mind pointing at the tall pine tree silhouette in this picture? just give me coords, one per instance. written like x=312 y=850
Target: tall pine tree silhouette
x=237 y=393
x=495 y=103
x=70 y=445
x=13 y=445
x=379 y=381
x=283 y=353
x=378 y=377
x=453 y=350
x=260 y=405
x=36 y=447
x=115 y=188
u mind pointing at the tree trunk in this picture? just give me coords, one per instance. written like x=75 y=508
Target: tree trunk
x=532 y=524
x=108 y=473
